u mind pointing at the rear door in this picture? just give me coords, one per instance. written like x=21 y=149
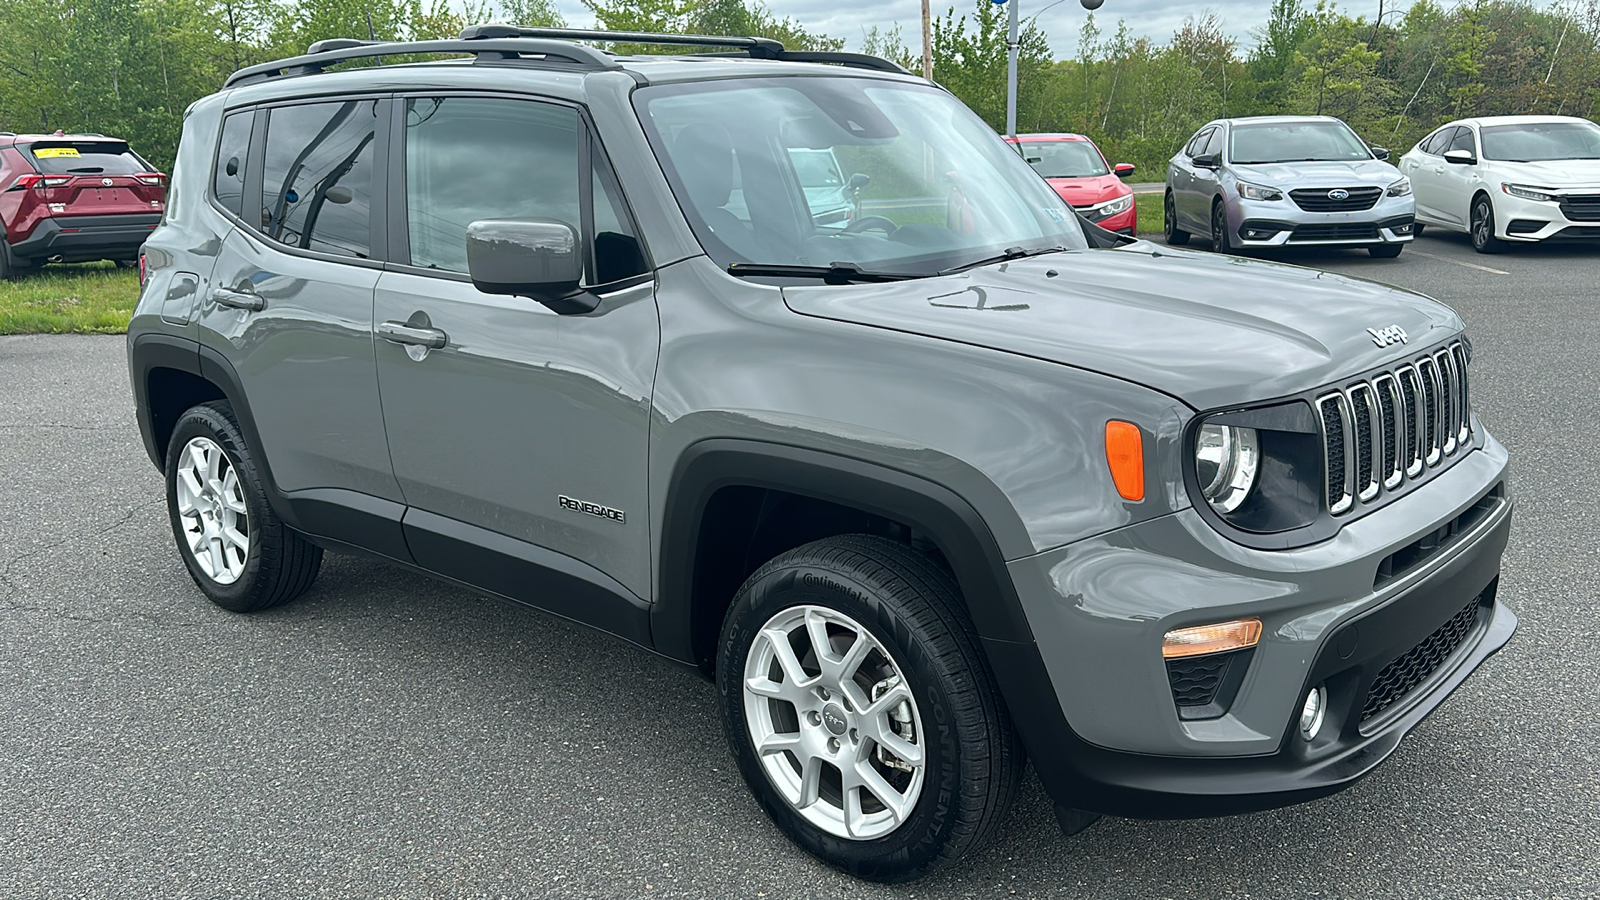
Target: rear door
x=1456 y=183
x=95 y=178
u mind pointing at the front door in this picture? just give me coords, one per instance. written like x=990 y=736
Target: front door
x=514 y=431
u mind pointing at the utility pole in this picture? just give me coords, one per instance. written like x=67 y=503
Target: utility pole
x=927 y=42
x=1012 y=48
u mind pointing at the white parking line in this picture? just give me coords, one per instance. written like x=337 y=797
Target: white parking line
x=1459 y=262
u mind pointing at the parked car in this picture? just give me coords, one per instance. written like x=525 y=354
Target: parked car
x=831 y=197
x=1078 y=171
x=1509 y=179
x=73 y=198
x=927 y=495
x=1274 y=181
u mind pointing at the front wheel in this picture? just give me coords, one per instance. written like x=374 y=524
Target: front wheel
x=1169 y=217
x=232 y=543
x=1219 y=229
x=1483 y=238
x=860 y=711
x=1385 y=251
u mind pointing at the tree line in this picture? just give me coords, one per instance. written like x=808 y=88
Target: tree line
x=131 y=67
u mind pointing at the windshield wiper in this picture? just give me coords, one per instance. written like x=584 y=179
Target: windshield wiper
x=833 y=273
x=1005 y=255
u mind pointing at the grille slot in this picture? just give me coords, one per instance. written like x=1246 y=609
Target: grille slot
x=1195 y=680
x=1353 y=232
x=1317 y=199
x=1402 y=676
x=1581 y=207
x=1379 y=433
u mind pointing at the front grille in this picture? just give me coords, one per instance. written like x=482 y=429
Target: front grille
x=1380 y=432
x=1353 y=232
x=1317 y=199
x=1581 y=207
x=1403 y=675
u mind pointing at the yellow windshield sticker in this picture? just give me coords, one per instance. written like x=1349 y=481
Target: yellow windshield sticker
x=54 y=152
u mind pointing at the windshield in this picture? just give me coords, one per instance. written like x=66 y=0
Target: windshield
x=1282 y=142
x=939 y=189
x=1542 y=141
x=1063 y=159
x=816 y=168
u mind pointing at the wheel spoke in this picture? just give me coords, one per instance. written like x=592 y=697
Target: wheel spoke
x=188 y=491
x=213 y=460
x=883 y=734
x=817 y=631
x=762 y=686
x=792 y=671
x=219 y=564
x=234 y=537
x=778 y=743
x=891 y=698
x=810 y=781
x=892 y=799
x=232 y=495
x=852 y=808
x=852 y=658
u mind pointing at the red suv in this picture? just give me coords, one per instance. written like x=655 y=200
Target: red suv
x=74 y=197
x=1078 y=171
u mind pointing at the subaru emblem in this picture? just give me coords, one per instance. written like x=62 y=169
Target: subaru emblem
x=1338 y=194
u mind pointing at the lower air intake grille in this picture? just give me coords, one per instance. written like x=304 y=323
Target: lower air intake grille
x=1195 y=679
x=1403 y=675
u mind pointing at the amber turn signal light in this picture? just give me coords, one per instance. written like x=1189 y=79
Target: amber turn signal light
x=1125 y=455
x=1218 y=638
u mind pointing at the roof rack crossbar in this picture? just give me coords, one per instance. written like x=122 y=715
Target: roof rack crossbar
x=759 y=47
x=337 y=50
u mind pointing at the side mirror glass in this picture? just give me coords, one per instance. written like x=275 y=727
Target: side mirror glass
x=858 y=181
x=536 y=258
x=1123 y=170
x=1460 y=157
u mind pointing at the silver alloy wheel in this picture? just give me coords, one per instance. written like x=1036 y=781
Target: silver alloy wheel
x=215 y=521
x=1483 y=223
x=834 y=723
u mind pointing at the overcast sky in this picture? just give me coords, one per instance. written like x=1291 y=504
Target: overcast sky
x=1156 y=19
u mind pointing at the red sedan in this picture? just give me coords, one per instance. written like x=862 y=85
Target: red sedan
x=1078 y=171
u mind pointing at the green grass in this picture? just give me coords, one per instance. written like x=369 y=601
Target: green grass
x=86 y=298
x=1151 y=220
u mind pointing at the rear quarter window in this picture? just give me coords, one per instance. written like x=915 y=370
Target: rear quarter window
x=84 y=158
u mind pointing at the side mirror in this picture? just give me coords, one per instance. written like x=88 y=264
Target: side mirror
x=1460 y=157
x=1207 y=161
x=535 y=258
x=858 y=181
x=338 y=194
x=1123 y=170
x=1379 y=152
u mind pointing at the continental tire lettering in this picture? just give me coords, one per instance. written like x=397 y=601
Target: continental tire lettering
x=811 y=579
x=593 y=509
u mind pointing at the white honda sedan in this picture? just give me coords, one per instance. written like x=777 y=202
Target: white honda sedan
x=1509 y=178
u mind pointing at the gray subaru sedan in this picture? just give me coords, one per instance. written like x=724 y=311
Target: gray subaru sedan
x=1274 y=181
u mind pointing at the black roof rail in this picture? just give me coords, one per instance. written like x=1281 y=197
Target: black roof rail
x=754 y=47
x=337 y=50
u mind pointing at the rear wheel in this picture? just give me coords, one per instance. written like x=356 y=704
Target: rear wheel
x=1386 y=251
x=1483 y=239
x=860 y=710
x=232 y=543
x=1169 y=216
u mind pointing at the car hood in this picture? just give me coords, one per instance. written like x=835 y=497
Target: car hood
x=1209 y=330
x=1558 y=173
x=1089 y=191
x=1292 y=175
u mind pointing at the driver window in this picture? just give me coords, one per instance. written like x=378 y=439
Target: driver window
x=1214 y=146
x=1463 y=141
x=1198 y=142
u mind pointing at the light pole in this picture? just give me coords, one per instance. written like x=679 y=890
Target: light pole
x=927 y=42
x=1013 y=47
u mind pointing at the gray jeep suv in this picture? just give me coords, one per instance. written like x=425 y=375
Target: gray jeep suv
x=965 y=482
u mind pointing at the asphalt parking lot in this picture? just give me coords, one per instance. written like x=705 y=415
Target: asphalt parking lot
x=387 y=736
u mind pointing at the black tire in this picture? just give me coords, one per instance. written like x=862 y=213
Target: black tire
x=279 y=564
x=1175 y=236
x=910 y=605
x=1219 y=229
x=1385 y=251
x=127 y=263
x=1482 y=226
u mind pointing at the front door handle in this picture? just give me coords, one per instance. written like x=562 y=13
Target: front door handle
x=412 y=335
x=245 y=300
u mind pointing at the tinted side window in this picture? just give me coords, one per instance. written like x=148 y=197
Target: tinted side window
x=470 y=158
x=1197 y=142
x=617 y=254
x=316 y=190
x=233 y=147
x=1214 y=146
x=1463 y=140
x=1434 y=143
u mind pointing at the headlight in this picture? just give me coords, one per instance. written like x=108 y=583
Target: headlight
x=1226 y=460
x=1258 y=470
x=1529 y=193
x=1401 y=188
x=1258 y=192
x=1118 y=205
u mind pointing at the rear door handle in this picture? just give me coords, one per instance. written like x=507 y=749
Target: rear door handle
x=238 y=299
x=401 y=333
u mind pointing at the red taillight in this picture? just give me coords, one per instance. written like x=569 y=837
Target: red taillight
x=150 y=177
x=141 y=270
x=24 y=182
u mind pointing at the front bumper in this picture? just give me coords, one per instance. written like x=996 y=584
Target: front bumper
x=77 y=238
x=1521 y=219
x=1280 y=223
x=1097 y=710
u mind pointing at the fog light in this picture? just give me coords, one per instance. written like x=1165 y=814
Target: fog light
x=1311 y=713
x=1402 y=229
x=1258 y=234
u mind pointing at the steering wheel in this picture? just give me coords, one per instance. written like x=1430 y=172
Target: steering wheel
x=866 y=223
